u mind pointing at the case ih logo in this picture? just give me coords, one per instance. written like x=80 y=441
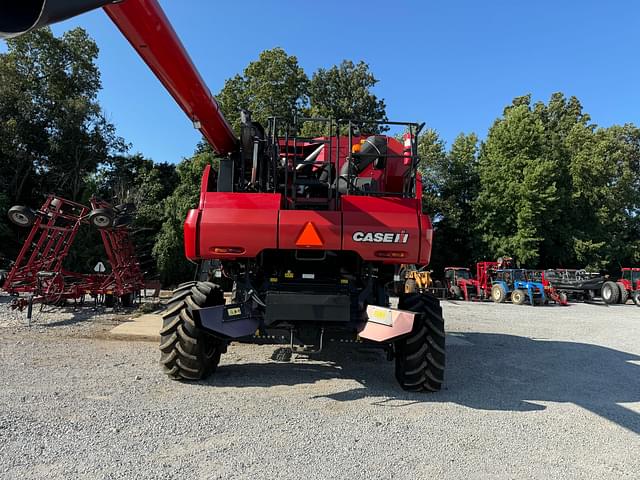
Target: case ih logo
x=380 y=237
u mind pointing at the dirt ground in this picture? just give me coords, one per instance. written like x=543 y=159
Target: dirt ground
x=531 y=392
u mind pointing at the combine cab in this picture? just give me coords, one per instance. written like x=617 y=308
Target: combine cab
x=309 y=230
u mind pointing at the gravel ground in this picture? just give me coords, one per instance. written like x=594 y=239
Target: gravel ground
x=545 y=392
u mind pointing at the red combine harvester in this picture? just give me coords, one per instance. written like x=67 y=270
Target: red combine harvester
x=310 y=230
x=39 y=270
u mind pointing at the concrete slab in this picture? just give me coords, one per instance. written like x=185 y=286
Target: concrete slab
x=145 y=327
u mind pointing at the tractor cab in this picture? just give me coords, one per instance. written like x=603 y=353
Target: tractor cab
x=514 y=284
x=460 y=284
x=631 y=278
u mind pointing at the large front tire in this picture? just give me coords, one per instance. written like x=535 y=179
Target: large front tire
x=420 y=357
x=186 y=352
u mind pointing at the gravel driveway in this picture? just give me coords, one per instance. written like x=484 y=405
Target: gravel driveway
x=546 y=392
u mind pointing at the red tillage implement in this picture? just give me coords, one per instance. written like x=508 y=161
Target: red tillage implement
x=39 y=268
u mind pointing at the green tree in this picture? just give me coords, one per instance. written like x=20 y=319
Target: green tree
x=605 y=209
x=273 y=85
x=344 y=92
x=525 y=199
x=455 y=240
x=169 y=246
x=53 y=134
x=517 y=185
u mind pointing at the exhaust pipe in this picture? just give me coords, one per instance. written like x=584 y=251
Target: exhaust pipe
x=21 y=16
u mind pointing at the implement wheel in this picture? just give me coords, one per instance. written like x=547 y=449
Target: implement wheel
x=610 y=293
x=101 y=218
x=22 y=216
x=186 y=352
x=420 y=356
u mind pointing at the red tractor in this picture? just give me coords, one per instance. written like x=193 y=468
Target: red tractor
x=310 y=230
x=460 y=284
x=624 y=289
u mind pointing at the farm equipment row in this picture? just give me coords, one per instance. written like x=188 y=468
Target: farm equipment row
x=499 y=282
x=39 y=273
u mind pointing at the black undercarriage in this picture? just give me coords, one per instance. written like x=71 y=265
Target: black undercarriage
x=297 y=297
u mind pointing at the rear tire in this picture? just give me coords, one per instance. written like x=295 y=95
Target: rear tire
x=610 y=293
x=636 y=297
x=186 y=352
x=420 y=356
x=624 y=294
x=498 y=294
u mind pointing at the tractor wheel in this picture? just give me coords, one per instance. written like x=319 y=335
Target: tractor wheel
x=101 y=218
x=610 y=293
x=420 y=356
x=456 y=291
x=624 y=293
x=186 y=352
x=518 y=297
x=410 y=286
x=636 y=297
x=498 y=294
x=22 y=216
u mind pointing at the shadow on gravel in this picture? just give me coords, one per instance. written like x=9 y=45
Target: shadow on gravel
x=484 y=371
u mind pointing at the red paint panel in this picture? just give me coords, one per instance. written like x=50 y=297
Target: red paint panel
x=238 y=220
x=146 y=27
x=190 y=232
x=426 y=239
x=327 y=224
x=397 y=216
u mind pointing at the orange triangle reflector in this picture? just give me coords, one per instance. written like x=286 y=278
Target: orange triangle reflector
x=309 y=237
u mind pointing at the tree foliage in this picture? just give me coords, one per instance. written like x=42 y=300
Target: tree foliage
x=546 y=185
x=344 y=92
x=53 y=134
x=273 y=85
x=169 y=246
x=555 y=190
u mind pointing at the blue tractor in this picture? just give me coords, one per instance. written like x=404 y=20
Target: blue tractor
x=513 y=284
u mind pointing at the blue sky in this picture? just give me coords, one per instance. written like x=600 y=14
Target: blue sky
x=451 y=64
